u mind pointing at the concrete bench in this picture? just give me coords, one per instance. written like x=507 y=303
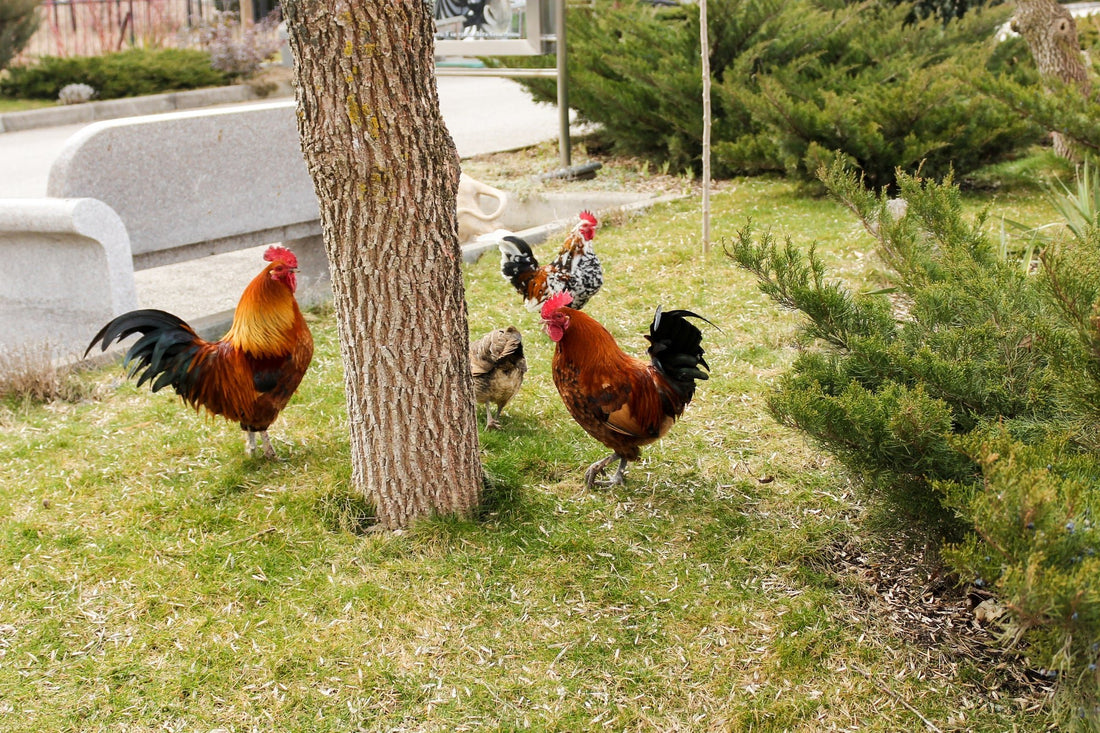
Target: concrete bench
x=68 y=271
x=175 y=188
x=199 y=183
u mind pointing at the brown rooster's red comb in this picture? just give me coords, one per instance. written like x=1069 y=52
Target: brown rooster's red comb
x=589 y=217
x=556 y=301
x=281 y=254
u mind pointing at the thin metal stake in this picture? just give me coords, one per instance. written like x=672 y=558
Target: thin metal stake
x=563 y=86
x=704 y=40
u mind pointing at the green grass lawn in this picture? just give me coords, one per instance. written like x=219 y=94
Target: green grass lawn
x=154 y=578
x=7 y=104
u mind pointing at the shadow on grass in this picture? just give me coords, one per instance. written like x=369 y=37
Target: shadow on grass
x=512 y=425
x=238 y=477
x=500 y=495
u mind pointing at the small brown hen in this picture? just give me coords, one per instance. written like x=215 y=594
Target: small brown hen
x=498 y=366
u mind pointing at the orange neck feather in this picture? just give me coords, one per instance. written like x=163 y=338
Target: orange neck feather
x=587 y=342
x=263 y=324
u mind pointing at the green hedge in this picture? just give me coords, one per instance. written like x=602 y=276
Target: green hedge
x=124 y=74
x=793 y=82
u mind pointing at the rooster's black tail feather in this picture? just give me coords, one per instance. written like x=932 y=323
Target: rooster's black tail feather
x=676 y=349
x=163 y=355
x=516 y=257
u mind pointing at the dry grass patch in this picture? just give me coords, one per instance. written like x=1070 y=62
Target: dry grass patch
x=31 y=372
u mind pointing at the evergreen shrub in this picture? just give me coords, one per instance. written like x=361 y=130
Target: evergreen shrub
x=793 y=82
x=130 y=73
x=1036 y=545
x=965 y=393
x=943 y=9
x=1053 y=106
x=886 y=93
x=18 y=22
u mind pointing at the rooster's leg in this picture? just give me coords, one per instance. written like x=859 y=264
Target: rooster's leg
x=617 y=479
x=268 y=450
x=599 y=467
x=249 y=442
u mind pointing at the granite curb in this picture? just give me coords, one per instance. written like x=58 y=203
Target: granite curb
x=111 y=109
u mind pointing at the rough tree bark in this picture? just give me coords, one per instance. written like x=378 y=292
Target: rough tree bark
x=1051 y=36
x=386 y=173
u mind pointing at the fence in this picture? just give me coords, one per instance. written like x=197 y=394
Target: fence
x=93 y=27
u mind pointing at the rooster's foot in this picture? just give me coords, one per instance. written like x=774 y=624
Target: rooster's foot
x=491 y=423
x=599 y=467
x=269 y=450
x=265 y=442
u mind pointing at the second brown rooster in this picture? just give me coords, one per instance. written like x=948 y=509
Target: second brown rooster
x=621 y=401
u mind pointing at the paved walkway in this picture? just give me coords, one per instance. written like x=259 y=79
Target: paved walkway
x=483 y=114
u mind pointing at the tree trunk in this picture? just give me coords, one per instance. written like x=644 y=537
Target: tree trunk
x=386 y=173
x=1051 y=36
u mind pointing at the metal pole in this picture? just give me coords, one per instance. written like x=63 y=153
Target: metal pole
x=563 y=85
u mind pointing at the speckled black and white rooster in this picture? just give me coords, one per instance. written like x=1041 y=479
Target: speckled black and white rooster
x=576 y=270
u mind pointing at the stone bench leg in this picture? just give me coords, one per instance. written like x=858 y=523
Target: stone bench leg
x=68 y=271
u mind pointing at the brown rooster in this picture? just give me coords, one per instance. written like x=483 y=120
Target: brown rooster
x=576 y=270
x=619 y=400
x=498 y=366
x=248 y=376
